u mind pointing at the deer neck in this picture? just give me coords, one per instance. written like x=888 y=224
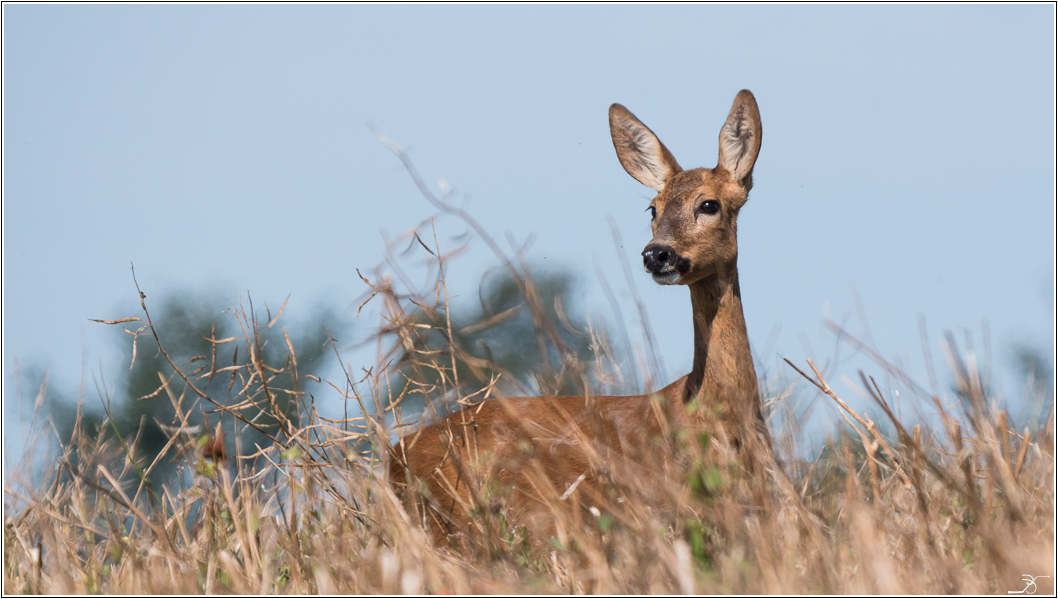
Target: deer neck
x=723 y=378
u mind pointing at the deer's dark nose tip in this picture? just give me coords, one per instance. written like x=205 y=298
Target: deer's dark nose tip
x=659 y=258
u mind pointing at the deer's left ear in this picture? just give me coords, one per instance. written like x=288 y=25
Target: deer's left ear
x=740 y=139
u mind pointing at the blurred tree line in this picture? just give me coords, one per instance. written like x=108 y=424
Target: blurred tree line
x=136 y=409
x=498 y=335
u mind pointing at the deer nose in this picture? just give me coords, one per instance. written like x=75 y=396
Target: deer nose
x=659 y=258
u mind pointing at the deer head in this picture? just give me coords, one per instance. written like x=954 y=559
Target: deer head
x=693 y=216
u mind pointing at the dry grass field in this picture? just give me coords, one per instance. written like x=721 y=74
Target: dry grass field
x=961 y=501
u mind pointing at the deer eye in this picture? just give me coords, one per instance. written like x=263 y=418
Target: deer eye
x=653 y=212
x=709 y=207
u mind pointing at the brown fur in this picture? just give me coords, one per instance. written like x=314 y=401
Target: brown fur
x=540 y=447
x=536 y=446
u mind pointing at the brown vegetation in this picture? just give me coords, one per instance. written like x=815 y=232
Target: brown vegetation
x=959 y=502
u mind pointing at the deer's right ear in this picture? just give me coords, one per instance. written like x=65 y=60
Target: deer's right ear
x=639 y=150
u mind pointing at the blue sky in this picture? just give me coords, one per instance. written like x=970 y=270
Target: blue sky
x=908 y=157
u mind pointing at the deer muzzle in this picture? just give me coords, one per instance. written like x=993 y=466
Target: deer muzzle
x=664 y=264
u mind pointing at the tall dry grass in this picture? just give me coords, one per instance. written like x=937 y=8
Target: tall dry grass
x=959 y=501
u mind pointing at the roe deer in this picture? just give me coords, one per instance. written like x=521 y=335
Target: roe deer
x=544 y=448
